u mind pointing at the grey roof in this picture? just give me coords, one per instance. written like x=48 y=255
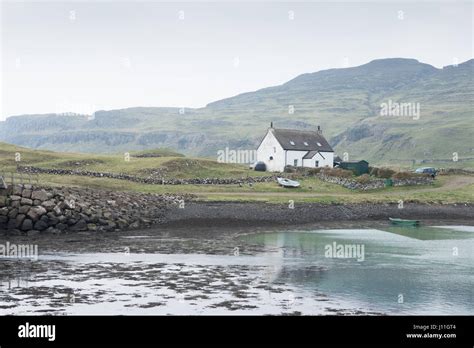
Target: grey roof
x=288 y=137
x=311 y=154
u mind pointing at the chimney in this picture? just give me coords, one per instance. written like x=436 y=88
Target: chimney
x=319 y=131
x=271 y=124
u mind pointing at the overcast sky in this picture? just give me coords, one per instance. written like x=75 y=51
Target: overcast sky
x=84 y=56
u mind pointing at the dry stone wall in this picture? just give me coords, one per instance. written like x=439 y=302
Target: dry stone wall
x=29 y=209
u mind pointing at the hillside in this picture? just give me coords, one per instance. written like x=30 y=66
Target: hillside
x=345 y=102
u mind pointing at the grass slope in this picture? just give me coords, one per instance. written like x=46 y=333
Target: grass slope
x=447 y=189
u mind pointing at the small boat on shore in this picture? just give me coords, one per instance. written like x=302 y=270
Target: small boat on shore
x=404 y=222
x=288 y=183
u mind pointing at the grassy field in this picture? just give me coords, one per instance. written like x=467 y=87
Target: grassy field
x=447 y=189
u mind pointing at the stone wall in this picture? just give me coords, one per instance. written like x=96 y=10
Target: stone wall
x=147 y=180
x=353 y=184
x=455 y=171
x=29 y=209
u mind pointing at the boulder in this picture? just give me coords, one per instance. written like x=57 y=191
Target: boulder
x=17 y=189
x=26 y=201
x=19 y=220
x=81 y=225
x=13 y=213
x=36 y=212
x=41 y=225
x=61 y=226
x=41 y=195
x=24 y=209
x=27 y=225
x=49 y=205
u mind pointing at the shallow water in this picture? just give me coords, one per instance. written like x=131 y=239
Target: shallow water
x=425 y=270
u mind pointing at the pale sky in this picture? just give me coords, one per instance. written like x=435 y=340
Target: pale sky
x=79 y=57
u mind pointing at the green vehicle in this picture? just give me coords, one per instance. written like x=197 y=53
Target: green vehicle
x=404 y=222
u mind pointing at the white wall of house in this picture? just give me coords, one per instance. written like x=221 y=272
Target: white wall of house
x=270 y=147
x=324 y=159
x=291 y=156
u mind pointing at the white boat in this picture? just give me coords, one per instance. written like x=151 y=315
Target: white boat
x=288 y=183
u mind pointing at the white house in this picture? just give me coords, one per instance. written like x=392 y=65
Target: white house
x=282 y=147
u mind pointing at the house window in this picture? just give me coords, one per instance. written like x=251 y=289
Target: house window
x=271 y=158
x=274 y=150
x=295 y=163
x=316 y=163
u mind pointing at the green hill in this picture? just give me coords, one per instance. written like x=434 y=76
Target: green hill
x=345 y=102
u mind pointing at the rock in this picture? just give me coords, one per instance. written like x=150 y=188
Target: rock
x=41 y=195
x=26 y=201
x=19 y=220
x=53 y=220
x=52 y=230
x=36 y=212
x=26 y=193
x=81 y=225
x=11 y=224
x=92 y=227
x=49 y=205
x=27 y=225
x=13 y=213
x=61 y=226
x=17 y=189
x=24 y=209
x=57 y=210
x=15 y=197
x=41 y=225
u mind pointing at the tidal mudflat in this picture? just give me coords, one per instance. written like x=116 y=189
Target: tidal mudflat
x=179 y=271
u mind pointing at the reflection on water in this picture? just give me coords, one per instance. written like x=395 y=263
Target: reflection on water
x=405 y=270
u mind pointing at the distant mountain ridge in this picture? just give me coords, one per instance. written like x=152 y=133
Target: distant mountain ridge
x=345 y=102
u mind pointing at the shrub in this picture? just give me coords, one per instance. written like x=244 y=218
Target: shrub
x=385 y=173
x=314 y=171
x=289 y=169
x=403 y=175
x=363 y=179
x=342 y=173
